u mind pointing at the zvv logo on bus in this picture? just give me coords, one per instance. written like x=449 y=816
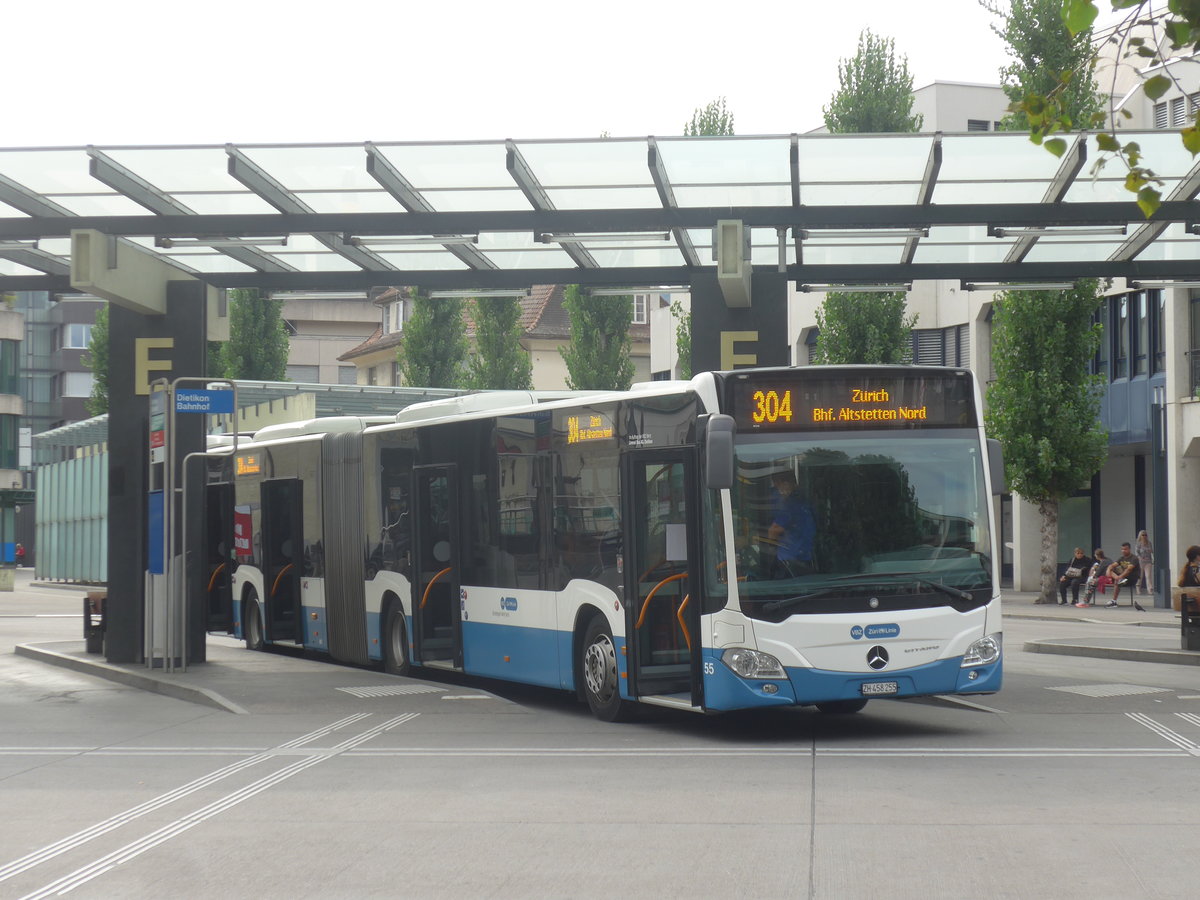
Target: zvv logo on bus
x=509 y=604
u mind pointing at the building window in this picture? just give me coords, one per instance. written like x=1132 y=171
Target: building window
x=641 y=309
x=1160 y=115
x=1141 y=334
x=928 y=348
x=304 y=374
x=75 y=336
x=9 y=441
x=977 y=125
x=76 y=384
x=1178 y=116
x=395 y=373
x=660 y=376
x=347 y=375
x=1158 y=312
x=1121 y=338
x=10 y=355
x=810 y=345
x=387 y=318
x=1100 y=365
x=373 y=375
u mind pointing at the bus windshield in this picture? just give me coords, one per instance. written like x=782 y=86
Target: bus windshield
x=822 y=523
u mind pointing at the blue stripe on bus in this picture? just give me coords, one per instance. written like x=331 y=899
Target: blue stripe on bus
x=528 y=655
x=723 y=690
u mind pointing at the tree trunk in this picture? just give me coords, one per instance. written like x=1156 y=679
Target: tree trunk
x=1049 y=511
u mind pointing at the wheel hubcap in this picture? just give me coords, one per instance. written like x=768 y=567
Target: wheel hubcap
x=600 y=668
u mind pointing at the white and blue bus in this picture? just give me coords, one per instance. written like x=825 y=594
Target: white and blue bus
x=634 y=547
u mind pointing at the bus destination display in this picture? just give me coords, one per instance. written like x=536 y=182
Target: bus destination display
x=808 y=402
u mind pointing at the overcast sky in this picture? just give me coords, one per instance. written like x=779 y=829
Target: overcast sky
x=179 y=71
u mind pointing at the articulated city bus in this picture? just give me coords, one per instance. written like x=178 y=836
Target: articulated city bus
x=754 y=538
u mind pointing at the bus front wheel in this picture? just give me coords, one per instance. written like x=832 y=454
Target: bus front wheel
x=598 y=665
x=252 y=625
x=395 y=642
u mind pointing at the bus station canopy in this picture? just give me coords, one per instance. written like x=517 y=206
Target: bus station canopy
x=478 y=215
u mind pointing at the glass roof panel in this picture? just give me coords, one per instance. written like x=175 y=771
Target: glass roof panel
x=8 y=267
x=859 y=194
x=350 y=201
x=606 y=163
x=49 y=171
x=698 y=160
x=551 y=258
x=174 y=169
x=424 y=259
x=735 y=195
x=450 y=165
x=101 y=205
x=315 y=168
x=841 y=254
x=317 y=262
x=207 y=262
x=995 y=156
x=990 y=191
x=9 y=212
x=769 y=256
x=507 y=240
x=228 y=204
x=870 y=159
x=605 y=198
x=1075 y=250
x=477 y=201
x=617 y=257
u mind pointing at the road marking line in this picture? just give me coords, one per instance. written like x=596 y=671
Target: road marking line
x=1163 y=731
x=82 y=837
x=133 y=849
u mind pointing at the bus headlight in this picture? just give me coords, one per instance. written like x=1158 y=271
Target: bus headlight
x=983 y=651
x=752 y=664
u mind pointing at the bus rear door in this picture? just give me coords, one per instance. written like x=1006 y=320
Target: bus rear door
x=218 y=556
x=437 y=612
x=283 y=558
x=663 y=618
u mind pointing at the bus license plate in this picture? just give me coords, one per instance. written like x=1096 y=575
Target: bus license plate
x=874 y=688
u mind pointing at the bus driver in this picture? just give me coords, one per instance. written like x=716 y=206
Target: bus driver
x=792 y=527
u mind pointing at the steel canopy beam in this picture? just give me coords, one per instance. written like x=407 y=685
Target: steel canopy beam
x=1184 y=192
x=256 y=179
x=519 y=169
x=933 y=166
x=662 y=183
x=107 y=170
x=1068 y=171
x=1010 y=215
x=381 y=169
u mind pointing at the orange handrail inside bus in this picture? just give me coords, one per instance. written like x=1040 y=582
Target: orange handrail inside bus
x=282 y=572
x=679 y=615
x=212 y=580
x=653 y=591
x=425 y=596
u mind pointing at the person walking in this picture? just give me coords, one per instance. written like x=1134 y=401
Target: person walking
x=20 y=555
x=1144 y=551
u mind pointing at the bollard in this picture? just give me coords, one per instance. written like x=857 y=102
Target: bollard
x=93 y=621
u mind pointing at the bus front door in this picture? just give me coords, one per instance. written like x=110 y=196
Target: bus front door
x=218 y=556
x=283 y=558
x=661 y=560
x=437 y=612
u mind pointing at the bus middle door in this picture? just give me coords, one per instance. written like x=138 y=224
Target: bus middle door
x=437 y=612
x=661 y=561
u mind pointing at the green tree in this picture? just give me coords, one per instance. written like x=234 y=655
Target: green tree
x=875 y=91
x=597 y=357
x=1041 y=48
x=434 y=351
x=1044 y=406
x=96 y=359
x=683 y=337
x=874 y=95
x=1141 y=37
x=499 y=361
x=257 y=349
x=714 y=118
x=858 y=327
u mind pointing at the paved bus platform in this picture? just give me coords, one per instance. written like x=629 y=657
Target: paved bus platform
x=238 y=681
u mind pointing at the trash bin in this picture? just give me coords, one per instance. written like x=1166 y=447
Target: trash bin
x=93 y=621
x=1189 y=617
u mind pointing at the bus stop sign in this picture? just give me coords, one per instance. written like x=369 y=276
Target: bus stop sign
x=203 y=401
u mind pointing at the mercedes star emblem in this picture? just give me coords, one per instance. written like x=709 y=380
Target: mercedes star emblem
x=877 y=657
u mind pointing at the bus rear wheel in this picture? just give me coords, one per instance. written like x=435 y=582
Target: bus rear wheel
x=598 y=665
x=395 y=642
x=841 y=707
x=252 y=625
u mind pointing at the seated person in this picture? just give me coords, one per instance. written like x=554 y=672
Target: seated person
x=1076 y=574
x=1099 y=567
x=793 y=527
x=1189 y=578
x=1124 y=571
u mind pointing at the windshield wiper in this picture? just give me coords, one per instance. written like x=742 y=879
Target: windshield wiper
x=799 y=598
x=954 y=592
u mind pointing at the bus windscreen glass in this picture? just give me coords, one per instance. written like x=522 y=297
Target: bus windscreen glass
x=811 y=400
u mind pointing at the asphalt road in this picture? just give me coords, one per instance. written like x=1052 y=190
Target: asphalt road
x=1077 y=780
